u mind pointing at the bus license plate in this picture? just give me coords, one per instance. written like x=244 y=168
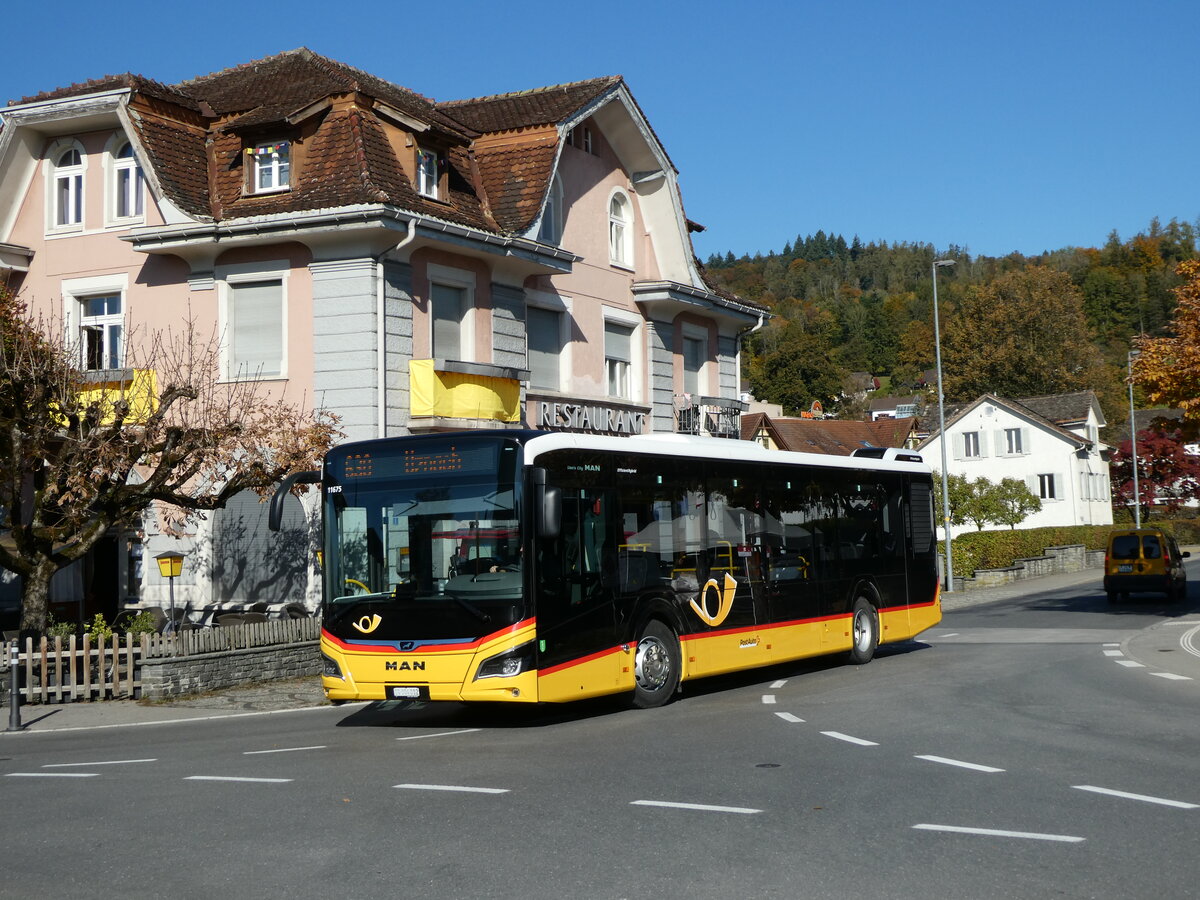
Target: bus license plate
x=1125 y=568
x=407 y=692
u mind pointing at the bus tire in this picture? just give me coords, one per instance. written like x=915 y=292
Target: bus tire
x=656 y=665
x=864 y=632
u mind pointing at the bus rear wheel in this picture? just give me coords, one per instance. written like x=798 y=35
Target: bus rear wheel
x=864 y=632
x=655 y=666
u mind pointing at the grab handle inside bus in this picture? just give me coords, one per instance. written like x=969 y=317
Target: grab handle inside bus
x=547 y=505
x=275 y=514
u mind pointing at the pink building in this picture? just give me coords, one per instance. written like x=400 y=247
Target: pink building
x=521 y=260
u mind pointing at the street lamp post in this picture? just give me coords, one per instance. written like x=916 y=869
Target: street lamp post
x=1137 y=505
x=937 y=344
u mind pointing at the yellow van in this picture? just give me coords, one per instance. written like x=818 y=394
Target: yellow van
x=1143 y=560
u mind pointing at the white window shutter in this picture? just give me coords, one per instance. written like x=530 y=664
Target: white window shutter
x=1025 y=441
x=998 y=440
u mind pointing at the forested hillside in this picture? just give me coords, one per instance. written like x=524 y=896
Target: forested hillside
x=1015 y=325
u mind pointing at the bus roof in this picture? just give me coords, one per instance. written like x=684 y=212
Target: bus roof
x=686 y=445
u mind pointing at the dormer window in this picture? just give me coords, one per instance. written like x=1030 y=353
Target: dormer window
x=68 y=189
x=427 y=174
x=272 y=167
x=128 y=202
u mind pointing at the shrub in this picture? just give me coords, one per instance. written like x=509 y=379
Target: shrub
x=98 y=628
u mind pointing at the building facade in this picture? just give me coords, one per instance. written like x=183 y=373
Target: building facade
x=1050 y=443
x=519 y=260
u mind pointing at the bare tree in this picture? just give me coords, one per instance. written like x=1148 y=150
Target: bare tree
x=83 y=453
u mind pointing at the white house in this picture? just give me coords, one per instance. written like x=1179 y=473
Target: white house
x=1051 y=443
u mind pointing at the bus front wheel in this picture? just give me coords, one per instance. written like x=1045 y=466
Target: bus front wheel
x=864 y=632
x=655 y=666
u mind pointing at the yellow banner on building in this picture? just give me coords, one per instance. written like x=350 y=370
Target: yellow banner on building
x=140 y=392
x=460 y=396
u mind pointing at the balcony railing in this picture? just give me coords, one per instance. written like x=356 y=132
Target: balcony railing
x=708 y=416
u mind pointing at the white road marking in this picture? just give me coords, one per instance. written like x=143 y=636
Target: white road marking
x=768 y=699
x=109 y=762
x=51 y=774
x=850 y=739
x=788 y=717
x=236 y=778
x=703 y=807
x=417 y=737
x=992 y=832
x=949 y=634
x=776 y=685
x=1186 y=641
x=1113 y=653
x=282 y=750
x=1110 y=645
x=1143 y=797
x=1170 y=676
x=1129 y=663
x=451 y=787
x=958 y=762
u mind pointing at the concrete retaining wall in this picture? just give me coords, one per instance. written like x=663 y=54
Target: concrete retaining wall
x=1057 y=560
x=170 y=677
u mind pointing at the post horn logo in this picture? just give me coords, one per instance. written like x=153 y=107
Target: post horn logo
x=367 y=625
x=725 y=596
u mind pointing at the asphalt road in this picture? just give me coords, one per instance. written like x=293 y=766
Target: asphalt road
x=1041 y=746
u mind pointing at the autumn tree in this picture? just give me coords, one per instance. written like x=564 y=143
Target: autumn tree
x=1168 y=368
x=80 y=458
x=1166 y=471
x=1022 y=335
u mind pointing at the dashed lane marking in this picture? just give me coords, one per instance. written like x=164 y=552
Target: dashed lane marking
x=107 y=762
x=417 y=737
x=460 y=788
x=788 y=717
x=701 y=807
x=1130 y=663
x=1113 y=653
x=776 y=685
x=283 y=750
x=1144 y=798
x=1170 y=676
x=51 y=774
x=237 y=779
x=768 y=699
x=960 y=763
x=993 y=832
x=849 y=739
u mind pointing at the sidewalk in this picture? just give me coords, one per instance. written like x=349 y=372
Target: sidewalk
x=254 y=699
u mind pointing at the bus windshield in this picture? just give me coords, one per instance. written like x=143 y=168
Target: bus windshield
x=433 y=558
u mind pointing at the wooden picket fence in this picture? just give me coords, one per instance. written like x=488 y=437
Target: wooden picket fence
x=58 y=670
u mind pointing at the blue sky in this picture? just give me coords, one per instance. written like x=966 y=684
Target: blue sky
x=999 y=127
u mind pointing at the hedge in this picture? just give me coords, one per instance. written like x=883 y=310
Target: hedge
x=1000 y=549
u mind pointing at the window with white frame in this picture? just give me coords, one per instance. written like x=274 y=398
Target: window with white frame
x=254 y=328
x=587 y=140
x=620 y=230
x=272 y=170
x=552 y=217
x=427 y=174
x=127 y=185
x=101 y=332
x=1013 y=444
x=971 y=444
x=694 y=352
x=448 y=309
x=67 y=189
x=1046 y=487
x=543 y=328
x=618 y=359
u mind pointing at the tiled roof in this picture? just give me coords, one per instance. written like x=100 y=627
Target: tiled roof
x=830 y=436
x=113 y=83
x=178 y=159
x=1060 y=408
x=515 y=178
x=292 y=80
x=542 y=106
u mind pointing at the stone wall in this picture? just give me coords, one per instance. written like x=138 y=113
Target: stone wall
x=169 y=677
x=1056 y=560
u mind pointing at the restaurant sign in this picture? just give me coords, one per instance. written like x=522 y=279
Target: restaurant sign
x=590 y=417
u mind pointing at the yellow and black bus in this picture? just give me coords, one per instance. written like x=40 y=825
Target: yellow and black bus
x=533 y=566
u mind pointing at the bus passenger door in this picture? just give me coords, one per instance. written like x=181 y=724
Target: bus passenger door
x=574 y=589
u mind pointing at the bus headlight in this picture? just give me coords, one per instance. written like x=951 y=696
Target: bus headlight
x=507 y=664
x=330 y=668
